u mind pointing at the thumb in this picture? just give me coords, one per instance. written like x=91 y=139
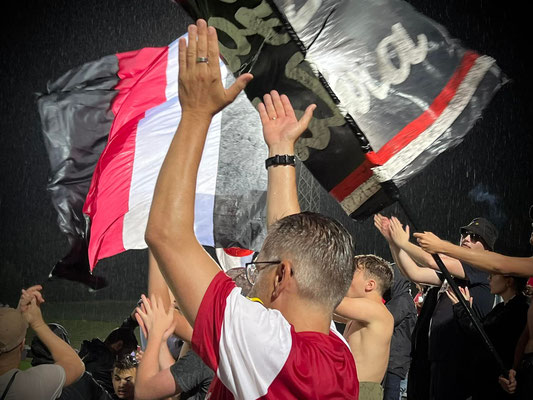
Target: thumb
x=241 y=82
x=308 y=115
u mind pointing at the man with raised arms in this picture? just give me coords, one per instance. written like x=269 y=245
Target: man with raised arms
x=282 y=346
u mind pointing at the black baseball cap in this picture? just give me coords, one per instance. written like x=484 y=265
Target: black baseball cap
x=484 y=228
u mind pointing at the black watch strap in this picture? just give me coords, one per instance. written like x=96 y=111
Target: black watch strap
x=280 y=159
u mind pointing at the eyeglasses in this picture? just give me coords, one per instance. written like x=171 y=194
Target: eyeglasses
x=253 y=269
x=474 y=237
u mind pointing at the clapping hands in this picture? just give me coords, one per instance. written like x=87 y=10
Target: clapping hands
x=154 y=319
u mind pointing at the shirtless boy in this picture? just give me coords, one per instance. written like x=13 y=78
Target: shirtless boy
x=370 y=324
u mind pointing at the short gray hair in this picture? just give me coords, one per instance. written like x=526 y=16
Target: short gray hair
x=322 y=252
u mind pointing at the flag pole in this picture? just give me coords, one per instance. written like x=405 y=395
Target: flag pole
x=504 y=371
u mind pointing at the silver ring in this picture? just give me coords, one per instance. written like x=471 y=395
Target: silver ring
x=202 y=59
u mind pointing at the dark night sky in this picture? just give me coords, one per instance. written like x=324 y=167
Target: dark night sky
x=42 y=40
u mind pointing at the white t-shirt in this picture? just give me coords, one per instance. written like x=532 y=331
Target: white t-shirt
x=42 y=382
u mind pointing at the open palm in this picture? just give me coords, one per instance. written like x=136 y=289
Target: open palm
x=280 y=124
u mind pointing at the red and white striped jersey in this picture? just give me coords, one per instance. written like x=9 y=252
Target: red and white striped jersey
x=256 y=353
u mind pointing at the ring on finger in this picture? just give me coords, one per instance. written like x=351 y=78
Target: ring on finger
x=202 y=59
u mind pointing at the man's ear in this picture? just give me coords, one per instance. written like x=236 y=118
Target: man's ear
x=283 y=273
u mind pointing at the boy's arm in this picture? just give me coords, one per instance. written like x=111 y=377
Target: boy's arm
x=185 y=265
x=360 y=309
x=281 y=129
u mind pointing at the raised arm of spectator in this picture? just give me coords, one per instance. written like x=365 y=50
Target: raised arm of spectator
x=400 y=237
x=405 y=263
x=152 y=382
x=358 y=309
x=485 y=260
x=62 y=353
x=158 y=287
x=186 y=266
x=281 y=129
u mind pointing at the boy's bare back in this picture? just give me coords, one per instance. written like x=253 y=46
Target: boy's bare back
x=368 y=336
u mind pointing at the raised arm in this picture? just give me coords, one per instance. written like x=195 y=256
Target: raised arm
x=400 y=237
x=152 y=382
x=485 y=260
x=405 y=263
x=359 y=309
x=62 y=353
x=186 y=266
x=281 y=129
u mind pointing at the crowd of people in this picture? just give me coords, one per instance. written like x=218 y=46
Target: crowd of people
x=307 y=318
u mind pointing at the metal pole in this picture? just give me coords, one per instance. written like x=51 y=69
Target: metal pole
x=504 y=371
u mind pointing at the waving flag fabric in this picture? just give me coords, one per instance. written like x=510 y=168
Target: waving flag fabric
x=393 y=89
x=145 y=112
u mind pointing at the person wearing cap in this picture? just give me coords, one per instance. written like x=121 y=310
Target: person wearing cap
x=486 y=260
x=43 y=381
x=447 y=347
x=504 y=265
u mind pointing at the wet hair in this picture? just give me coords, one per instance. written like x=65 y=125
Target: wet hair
x=127 y=362
x=376 y=268
x=321 y=251
x=129 y=341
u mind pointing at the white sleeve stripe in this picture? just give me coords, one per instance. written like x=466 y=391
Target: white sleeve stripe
x=255 y=343
x=333 y=328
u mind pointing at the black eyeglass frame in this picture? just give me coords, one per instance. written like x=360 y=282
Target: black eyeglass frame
x=248 y=266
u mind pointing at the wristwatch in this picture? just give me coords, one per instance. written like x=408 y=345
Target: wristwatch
x=280 y=159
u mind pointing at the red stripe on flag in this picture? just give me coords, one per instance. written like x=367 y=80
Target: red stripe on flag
x=141 y=87
x=357 y=177
x=428 y=117
x=408 y=133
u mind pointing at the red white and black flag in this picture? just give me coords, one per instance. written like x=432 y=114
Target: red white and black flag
x=393 y=91
x=130 y=100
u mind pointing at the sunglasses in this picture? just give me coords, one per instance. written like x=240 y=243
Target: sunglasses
x=474 y=237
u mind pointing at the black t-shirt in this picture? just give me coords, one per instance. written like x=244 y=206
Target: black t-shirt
x=192 y=376
x=446 y=340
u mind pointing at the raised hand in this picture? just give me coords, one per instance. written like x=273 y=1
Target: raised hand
x=280 y=124
x=32 y=312
x=28 y=294
x=201 y=91
x=399 y=235
x=382 y=224
x=429 y=242
x=154 y=319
